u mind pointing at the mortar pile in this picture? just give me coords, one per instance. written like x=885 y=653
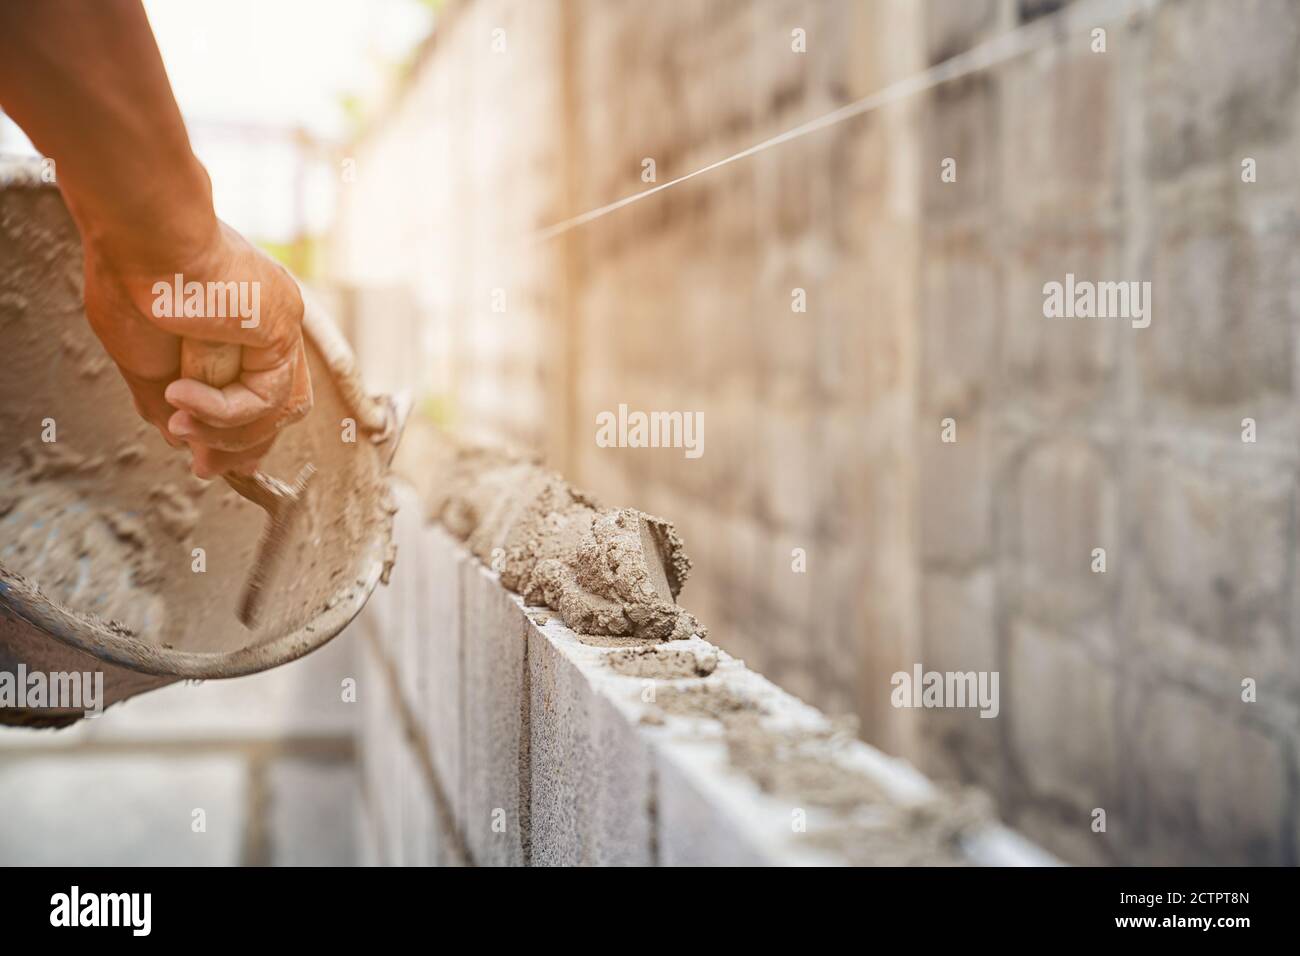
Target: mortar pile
x=605 y=571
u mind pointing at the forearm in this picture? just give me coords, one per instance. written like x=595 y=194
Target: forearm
x=85 y=81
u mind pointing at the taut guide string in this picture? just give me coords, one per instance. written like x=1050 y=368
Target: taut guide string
x=993 y=52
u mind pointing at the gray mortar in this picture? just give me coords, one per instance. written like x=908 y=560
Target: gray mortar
x=660 y=662
x=801 y=765
x=613 y=573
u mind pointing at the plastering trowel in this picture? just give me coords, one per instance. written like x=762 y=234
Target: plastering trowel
x=218 y=364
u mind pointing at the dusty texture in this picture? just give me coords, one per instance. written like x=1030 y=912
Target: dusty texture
x=609 y=572
x=99 y=560
x=806 y=767
x=663 y=663
x=925 y=834
x=98 y=525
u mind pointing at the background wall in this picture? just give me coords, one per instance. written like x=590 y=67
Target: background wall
x=1120 y=690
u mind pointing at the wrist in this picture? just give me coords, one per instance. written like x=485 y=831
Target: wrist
x=156 y=223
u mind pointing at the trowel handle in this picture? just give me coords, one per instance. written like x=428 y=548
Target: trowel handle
x=216 y=363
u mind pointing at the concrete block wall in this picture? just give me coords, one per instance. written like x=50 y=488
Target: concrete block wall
x=1122 y=690
x=1125 y=686
x=492 y=734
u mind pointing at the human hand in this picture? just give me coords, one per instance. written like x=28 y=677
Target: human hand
x=133 y=307
x=143 y=203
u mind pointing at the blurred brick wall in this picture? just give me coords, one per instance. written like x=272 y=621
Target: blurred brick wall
x=1121 y=690
x=682 y=304
x=433 y=210
x=685 y=303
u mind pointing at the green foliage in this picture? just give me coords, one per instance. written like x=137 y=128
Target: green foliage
x=302 y=258
x=437 y=409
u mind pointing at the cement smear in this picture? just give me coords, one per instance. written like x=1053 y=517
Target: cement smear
x=610 y=572
x=97 y=560
x=806 y=767
x=662 y=663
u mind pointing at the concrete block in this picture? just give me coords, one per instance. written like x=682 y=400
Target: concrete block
x=313 y=806
x=367 y=835
x=1059 y=135
x=418 y=835
x=1062 y=502
x=1216 y=544
x=958 y=339
x=956 y=492
x=1117 y=166
x=379 y=756
x=1060 y=701
x=790 y=593
x=1061 y=830
x=1223 y=309
x=590 y=770
x=1213 y=787
x=388 y=793
x=442 y=653
x=1059 y=365
x=959 y=631
x=1215 y=78
x=709 y=812
x=952 y=26
x=959 y=634
x=127 y=810
x=495 y=705
x=446 y=845
x=408 y=586
x=960 y=123
x=1000 y=846
x=690 y=829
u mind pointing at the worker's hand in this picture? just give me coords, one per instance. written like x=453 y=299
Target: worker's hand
x=143 y=204
x=141 y=325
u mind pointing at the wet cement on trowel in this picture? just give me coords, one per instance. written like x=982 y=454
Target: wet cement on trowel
x=613 y=576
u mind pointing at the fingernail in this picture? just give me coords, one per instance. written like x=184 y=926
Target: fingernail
x=179 y=425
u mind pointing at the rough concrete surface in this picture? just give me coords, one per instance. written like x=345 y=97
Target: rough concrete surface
x=664 y=751
x=614 y=572
x=921 y=301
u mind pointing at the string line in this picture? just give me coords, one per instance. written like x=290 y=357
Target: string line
x=993 y=52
